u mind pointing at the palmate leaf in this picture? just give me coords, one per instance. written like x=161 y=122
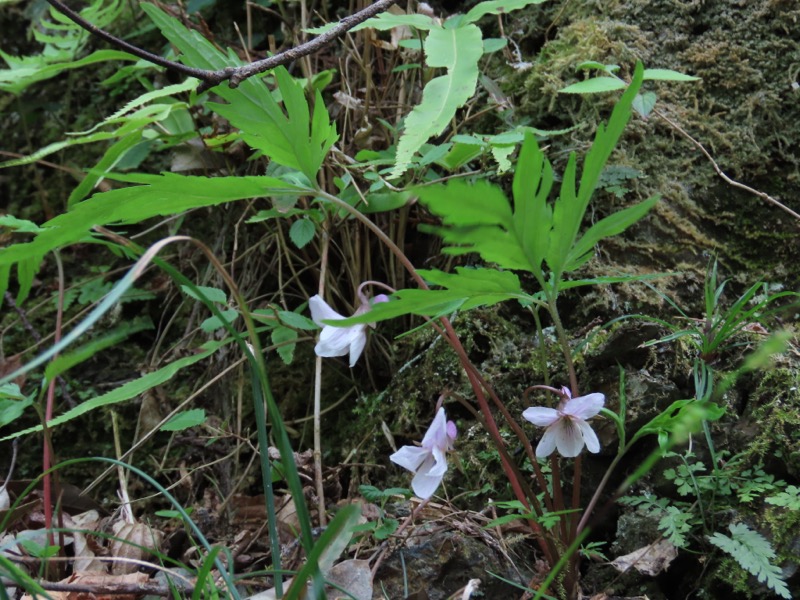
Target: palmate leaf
x=569 y=210
x=477 y=218
x=537 y=235
x=294 y=138
x=457 y=49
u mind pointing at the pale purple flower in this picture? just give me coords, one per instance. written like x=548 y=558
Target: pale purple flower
x=567 y=428
x=338 y=341
x=428 y=461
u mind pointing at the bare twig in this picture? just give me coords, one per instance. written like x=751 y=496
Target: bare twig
x=235 y=75
x=719 y=171
x=109 y=588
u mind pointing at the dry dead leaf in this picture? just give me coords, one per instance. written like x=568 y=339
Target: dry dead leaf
x=354 y=576
x=135 y=542
x=650 y=560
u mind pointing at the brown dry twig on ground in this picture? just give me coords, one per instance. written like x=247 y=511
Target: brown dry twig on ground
x=108 y=589
x=720 y=172
x=235 y=75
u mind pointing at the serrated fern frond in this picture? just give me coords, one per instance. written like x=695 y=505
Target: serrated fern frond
x=790 y=498
x=754 y=554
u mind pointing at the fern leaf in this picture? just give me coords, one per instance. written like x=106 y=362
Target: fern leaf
x=458 y=50
x=161 y=195
x=290 y=138
x=754 y=554
x=790 y=498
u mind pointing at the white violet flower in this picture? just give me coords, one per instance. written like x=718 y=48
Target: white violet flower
x=338 y=341
x=428 y=461
x=567 y=428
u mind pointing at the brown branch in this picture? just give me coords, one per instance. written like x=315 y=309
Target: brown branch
x=720 y=172
x=233 y=74
x=110 y=589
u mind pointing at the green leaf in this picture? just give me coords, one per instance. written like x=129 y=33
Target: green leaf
x=614 y=224
x=679 y=418
x=457 y=50
x=474 y=280
x=11 y=391
x=387 y=528
x=387 y=20
x=12 y=409
x=328 y=547
x=789 y=498
x=595 y=85
x=110 y=159
x=162 y=195
x=126 y=391
x=666 y=75
x=293 y=138
x=282 y=337
x=533 y=217
x=494 y=44
x=385 y=201
x=75 y=357
x=302 y=232
x=466 y=289
x=496 y=7
x=570 y=208
x=644 y=103
x=28 y=70
x=212 y=323
x=57 y=146
x=185 y=419
x=477 y=218
x=19 y=225
x=296 y=320
x=754 y=554
x=211 y=294
x=460 y=154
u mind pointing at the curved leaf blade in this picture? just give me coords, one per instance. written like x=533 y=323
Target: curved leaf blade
x=458 y=50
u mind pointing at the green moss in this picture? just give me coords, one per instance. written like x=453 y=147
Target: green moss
x=777 y=412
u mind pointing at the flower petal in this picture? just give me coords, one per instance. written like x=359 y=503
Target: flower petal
x=585 y=407
x=357 y=345
x=452 y=432
x=426 y=480
x=336 y=341
x=569 y=440
x=436 y=436
x=548 y=442
x=320 y=310
x=589 y=436
x=439 y=467
x=541 y=416
x=410 y=457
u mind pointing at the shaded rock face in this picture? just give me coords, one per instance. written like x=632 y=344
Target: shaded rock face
x=746 y=112
x=433 y=566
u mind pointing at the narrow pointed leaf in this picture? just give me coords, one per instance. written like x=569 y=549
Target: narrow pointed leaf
x=595 y=85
